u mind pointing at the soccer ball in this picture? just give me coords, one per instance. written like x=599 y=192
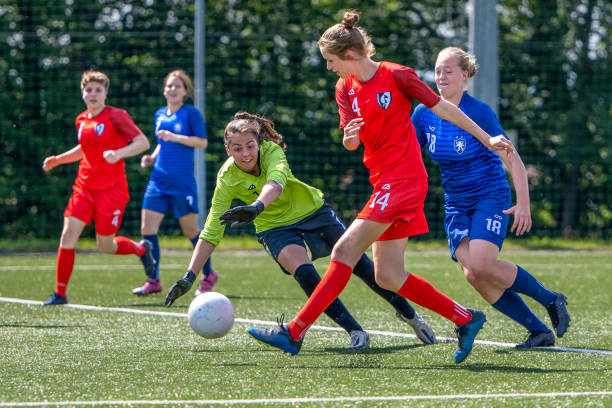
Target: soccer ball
x=211 y=315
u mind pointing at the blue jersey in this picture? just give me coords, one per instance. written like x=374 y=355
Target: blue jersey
x=173 y=172
x=467 y=167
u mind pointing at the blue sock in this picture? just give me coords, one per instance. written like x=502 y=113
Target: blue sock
x=155 y=241
x=512 y=305
x=207 y=267
x=526 y=284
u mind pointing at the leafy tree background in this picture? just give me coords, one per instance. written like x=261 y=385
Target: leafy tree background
x=262 y=56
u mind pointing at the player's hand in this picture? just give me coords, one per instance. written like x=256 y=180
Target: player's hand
x=522 y=219
x=166 y=135
x=351 y=134
x=181 y=287
x=111 y=156
x=146 y=160
x=500 y=143
x=242 y=215
x=50 y=162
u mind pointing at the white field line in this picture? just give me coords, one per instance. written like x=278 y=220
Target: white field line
x=310 y=400
x=321 y=328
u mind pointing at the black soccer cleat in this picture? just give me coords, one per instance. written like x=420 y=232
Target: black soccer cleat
x=538 y=339
x=147 y=259
x=560 y=318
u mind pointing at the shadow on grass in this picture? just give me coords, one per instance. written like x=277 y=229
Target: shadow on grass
x=373 y=351
x=27 y=325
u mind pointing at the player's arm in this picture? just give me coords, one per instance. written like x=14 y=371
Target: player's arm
x=200 y=255
x=521 y=211
x=192 y=141
x=70 y=156
x=350 y=122
x=138 y=145
x=150 y=159
x=449 y=111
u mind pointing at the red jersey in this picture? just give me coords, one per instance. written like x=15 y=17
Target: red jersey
x=392 y=150
x=111 y=129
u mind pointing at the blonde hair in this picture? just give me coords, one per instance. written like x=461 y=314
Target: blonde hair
x=465 y=61
x=184 y=77
x=344 y=36
x=262 y=128
x=95 y=76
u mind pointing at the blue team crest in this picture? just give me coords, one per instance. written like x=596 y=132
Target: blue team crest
x=384 y=99
x=460 y=144
x=99 y=128
x=177 y=127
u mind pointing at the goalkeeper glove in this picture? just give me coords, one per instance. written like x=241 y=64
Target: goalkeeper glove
x=180 y=288
x=242 y=215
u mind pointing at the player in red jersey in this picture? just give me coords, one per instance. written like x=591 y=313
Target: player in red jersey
x=106 y=136
x=374 y=104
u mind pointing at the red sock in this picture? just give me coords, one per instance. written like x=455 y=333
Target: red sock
x=63 y=269
x=330 y=287
x=126 y=246
x=423 y=293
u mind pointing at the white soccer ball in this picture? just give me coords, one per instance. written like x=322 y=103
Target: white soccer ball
x=211 y=315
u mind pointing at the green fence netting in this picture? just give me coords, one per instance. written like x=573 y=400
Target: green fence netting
x=262 y=57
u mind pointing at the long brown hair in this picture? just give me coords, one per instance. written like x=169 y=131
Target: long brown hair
x=262 y=128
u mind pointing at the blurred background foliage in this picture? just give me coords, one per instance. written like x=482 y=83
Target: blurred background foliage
x=555 y=94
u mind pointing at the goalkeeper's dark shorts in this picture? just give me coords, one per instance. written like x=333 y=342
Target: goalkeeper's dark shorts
x=317 y=233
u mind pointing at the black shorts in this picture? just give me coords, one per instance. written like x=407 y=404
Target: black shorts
x=317 y=233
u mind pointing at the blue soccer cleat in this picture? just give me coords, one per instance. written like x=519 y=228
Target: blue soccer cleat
x=466 y=333
x=278 y=337
x=56 y=300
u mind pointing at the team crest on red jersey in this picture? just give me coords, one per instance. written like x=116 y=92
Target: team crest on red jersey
x=99 y=128
x=384 y=99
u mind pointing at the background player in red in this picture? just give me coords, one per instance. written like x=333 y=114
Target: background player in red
x=374 y=104
x=106 y=136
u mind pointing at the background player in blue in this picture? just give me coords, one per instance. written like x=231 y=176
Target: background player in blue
x=477 y=202
x=172 y=186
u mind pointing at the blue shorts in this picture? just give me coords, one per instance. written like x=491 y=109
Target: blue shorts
x=480 y=218
x=157 y=201
x=318 y=232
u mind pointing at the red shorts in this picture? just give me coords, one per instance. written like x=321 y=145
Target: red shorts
x=106 y=207
x=400 y=203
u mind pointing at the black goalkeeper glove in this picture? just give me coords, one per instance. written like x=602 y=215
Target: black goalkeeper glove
x=181 y=287
x=242 y=215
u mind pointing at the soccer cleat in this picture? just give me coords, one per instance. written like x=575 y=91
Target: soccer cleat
x=151 y=286
x=560 y=318
x=538 y=339
x=360 y=340
x=207 y=283
x=421 y=329
x=466 y=333
x=278 y=337
x=147 y=259
x=56 y=300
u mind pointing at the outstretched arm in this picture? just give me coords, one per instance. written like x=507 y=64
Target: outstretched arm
x=452 y=113
x=521 y=211
x=200 y=255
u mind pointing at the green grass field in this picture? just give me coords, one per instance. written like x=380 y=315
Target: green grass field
x=107 y=356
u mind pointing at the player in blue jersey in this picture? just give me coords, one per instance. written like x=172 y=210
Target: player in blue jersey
x=172 y=186
x=478 y=203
